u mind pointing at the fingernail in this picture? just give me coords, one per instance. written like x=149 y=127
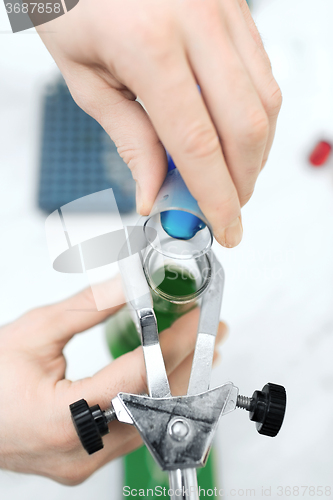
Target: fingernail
x=232 y=235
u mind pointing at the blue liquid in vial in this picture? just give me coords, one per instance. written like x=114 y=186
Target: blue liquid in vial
x=181 y=225
x=176 y=223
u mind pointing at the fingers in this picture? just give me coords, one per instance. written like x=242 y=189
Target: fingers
x=128 y=373
x=230 y=96
x=251 y=24
x=128 y=125
x=181 y=119
x=248 y=43
x=219 y=140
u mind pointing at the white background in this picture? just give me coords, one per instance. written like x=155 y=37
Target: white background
x=279 y=294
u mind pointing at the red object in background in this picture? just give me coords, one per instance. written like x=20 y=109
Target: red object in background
x=320 y=154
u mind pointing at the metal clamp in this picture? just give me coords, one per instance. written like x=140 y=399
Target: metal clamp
x=178 y=431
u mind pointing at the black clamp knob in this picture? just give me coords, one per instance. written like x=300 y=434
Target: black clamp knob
x=267 y=408
x=90 y=424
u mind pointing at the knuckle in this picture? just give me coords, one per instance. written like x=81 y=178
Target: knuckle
x=227 y=208
x=154 y=36
x=274 y=101
x=255 y=129
x=37 y=318
x=246 y=197
x=263 y=163
x=246 y=183
x=70 y=475
x=87 y=101
x=33 y=315
x=205 y=15
x=251 y=172
x=201 y=141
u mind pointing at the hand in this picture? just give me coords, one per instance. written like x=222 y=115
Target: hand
x=111 y=51
x=36 y=432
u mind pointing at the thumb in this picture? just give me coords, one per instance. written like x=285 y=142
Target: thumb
x=128 y=125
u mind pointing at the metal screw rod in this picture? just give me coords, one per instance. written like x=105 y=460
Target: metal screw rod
x=244 y=402
x=110 y=415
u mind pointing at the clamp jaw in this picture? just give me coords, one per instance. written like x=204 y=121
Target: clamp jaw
x=177 y=430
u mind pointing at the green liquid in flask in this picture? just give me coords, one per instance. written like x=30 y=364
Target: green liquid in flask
x=140 y=469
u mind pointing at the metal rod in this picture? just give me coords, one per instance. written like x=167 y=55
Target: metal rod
x=184 y=484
